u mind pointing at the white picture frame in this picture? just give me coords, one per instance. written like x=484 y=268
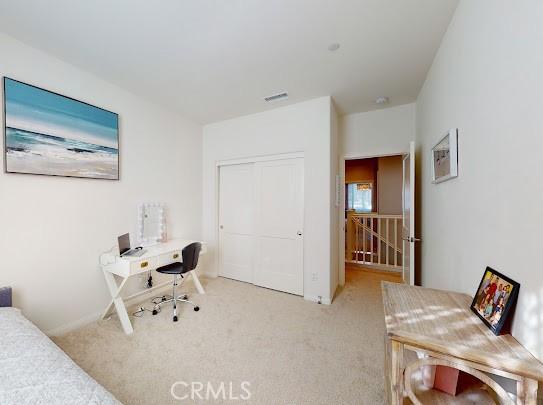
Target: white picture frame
x=444 y=157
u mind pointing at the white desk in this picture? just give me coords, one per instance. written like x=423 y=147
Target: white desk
x=128 y=266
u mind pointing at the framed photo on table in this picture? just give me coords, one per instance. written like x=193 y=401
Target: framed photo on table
x=494 y=300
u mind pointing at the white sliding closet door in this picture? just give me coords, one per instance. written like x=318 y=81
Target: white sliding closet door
x=279 y=192
x=261 y=223
x=236 y=221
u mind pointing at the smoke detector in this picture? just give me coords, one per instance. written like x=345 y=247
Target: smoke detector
x=276 y=97
x=381 y=100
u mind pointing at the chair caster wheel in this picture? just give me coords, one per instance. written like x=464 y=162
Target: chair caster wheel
x=196 y=309
x=185 y=297
x=155 y=312
x=175 y=318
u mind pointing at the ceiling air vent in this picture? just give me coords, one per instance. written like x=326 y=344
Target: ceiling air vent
x=276 y=97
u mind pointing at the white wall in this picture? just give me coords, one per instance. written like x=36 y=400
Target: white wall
x=53 y=229
x=487 y=81
x=375 y=133
x=303 y=127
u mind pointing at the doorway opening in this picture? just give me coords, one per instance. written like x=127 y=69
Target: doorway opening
x=373 y=216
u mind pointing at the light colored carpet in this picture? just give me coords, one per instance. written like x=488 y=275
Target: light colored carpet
x=291 y=351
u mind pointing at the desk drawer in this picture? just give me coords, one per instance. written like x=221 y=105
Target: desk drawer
x=143 y=265
x=168 y=258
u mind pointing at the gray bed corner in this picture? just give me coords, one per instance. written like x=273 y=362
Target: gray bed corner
x=5 y=297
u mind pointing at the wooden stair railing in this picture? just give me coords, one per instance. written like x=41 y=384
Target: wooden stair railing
x=377 y=235
x=374 y=239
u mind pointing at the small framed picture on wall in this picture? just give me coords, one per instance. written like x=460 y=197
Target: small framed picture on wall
x=445 y=157
x=494 y=300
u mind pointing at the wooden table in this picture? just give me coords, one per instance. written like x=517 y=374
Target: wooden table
x=441 y=325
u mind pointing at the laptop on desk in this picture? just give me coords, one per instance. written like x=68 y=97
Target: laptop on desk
x=124 y=247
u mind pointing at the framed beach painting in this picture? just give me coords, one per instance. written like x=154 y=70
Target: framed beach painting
x=50 y=134
x=445 y=157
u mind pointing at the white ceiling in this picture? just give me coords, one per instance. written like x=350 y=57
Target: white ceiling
x=216 y=59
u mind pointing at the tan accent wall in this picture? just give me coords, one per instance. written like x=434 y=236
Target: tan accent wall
x=389 y=180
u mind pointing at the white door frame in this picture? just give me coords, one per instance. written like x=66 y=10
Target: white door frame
x=237 y=161
x=409 y=245
x=341 y=213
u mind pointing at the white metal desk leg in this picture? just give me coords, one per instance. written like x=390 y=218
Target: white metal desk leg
x=115 y=291
x=197 y=283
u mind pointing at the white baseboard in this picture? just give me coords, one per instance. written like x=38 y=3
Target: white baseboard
x=88 y=319
x=61 y=330
x=314 y=298
x=208 y=273
x=378 y=267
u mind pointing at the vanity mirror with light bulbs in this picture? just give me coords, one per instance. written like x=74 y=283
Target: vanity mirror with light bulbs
x=151 y=224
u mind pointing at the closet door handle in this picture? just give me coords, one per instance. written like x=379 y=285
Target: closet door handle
x=299 y=233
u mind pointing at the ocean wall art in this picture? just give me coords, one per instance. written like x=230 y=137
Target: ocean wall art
x=50 y=134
